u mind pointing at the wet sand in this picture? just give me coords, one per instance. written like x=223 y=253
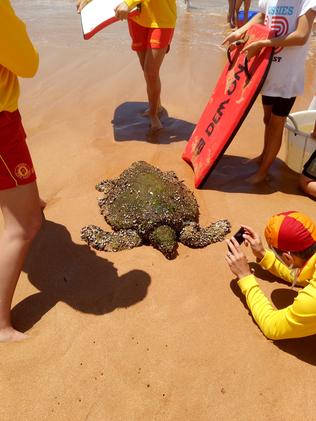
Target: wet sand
x=132 y=336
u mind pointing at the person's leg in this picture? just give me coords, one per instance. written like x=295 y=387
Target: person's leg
x=267 y=110
x=153 y=61
x=231 y=12
x=237 y=7
x=246 y=10
x=142 y=56
x=140 y=36
x=22 y=219
x=273 y=141
x=274 y=126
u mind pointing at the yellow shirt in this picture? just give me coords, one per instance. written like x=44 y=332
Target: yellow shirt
x=155 y=13
x=18 y=57
x=294 y=321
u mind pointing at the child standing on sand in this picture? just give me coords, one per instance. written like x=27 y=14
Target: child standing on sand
x=151 y=32
x=19 y=199
x=292 y=22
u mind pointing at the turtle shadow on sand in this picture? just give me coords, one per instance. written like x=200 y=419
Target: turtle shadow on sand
x=64 y=271
x=130 y=124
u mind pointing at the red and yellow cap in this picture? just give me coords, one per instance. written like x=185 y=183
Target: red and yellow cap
x=290 y=231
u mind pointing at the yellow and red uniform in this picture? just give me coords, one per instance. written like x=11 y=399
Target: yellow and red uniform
x=295 y=321
x=153 y=28
x=155 y=13
x=289 y=232
x=18 y=57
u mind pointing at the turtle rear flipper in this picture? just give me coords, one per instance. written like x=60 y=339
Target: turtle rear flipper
x=192 y=235
x=110 y=241
x=164 y=239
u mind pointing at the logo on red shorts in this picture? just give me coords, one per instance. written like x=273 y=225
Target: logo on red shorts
x=23 y=171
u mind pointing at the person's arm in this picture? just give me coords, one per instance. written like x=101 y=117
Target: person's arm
x=271 y=263
x=267 y=259
x=299 y=37
x=240 y=33
x=295 y=321
x=17 y=52
x=122 y=10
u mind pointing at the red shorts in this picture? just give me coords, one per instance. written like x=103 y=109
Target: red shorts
x=16 y=167
x=147 y=38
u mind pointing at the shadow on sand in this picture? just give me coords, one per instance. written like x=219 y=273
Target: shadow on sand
x=231 y=173
x=64 y=271
x=129 y=124
x=301 y=348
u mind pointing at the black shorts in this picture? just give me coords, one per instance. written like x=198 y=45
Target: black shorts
x=280 y=106
x=310 y=167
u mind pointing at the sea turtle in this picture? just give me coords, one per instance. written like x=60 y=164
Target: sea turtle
x=145 y=205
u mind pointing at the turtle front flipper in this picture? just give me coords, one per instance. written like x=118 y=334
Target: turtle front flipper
x=105 y=186
x=192 y=235
x=164 y=239
x=110 y=241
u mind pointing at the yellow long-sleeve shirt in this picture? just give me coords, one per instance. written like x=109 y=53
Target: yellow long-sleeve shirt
x=18 y=57
x=294 y=321
x=155 y=13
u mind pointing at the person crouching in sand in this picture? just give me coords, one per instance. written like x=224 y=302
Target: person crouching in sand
x=285 y=80
x=291 y=237
x=19 y=199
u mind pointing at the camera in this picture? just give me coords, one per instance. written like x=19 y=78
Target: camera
x=239 y=236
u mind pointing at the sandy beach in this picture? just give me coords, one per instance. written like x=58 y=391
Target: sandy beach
x=131 y=336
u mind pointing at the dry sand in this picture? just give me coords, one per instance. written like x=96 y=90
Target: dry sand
x=131 y=336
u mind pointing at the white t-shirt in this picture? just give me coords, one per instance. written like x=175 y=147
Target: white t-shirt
x=286 y=75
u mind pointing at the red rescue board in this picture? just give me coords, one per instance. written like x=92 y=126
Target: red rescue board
x=232 y=99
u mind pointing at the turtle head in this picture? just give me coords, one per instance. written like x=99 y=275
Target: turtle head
x=164 y=239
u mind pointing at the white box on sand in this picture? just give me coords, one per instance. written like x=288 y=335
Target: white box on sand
x=300 y=145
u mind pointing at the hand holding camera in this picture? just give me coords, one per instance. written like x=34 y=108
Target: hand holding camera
x=252 y=238
x=235 y=257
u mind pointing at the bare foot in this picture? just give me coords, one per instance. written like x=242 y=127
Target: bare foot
x=161 y=109
x=155 y=124
x=258 y=178
x=9 y=334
